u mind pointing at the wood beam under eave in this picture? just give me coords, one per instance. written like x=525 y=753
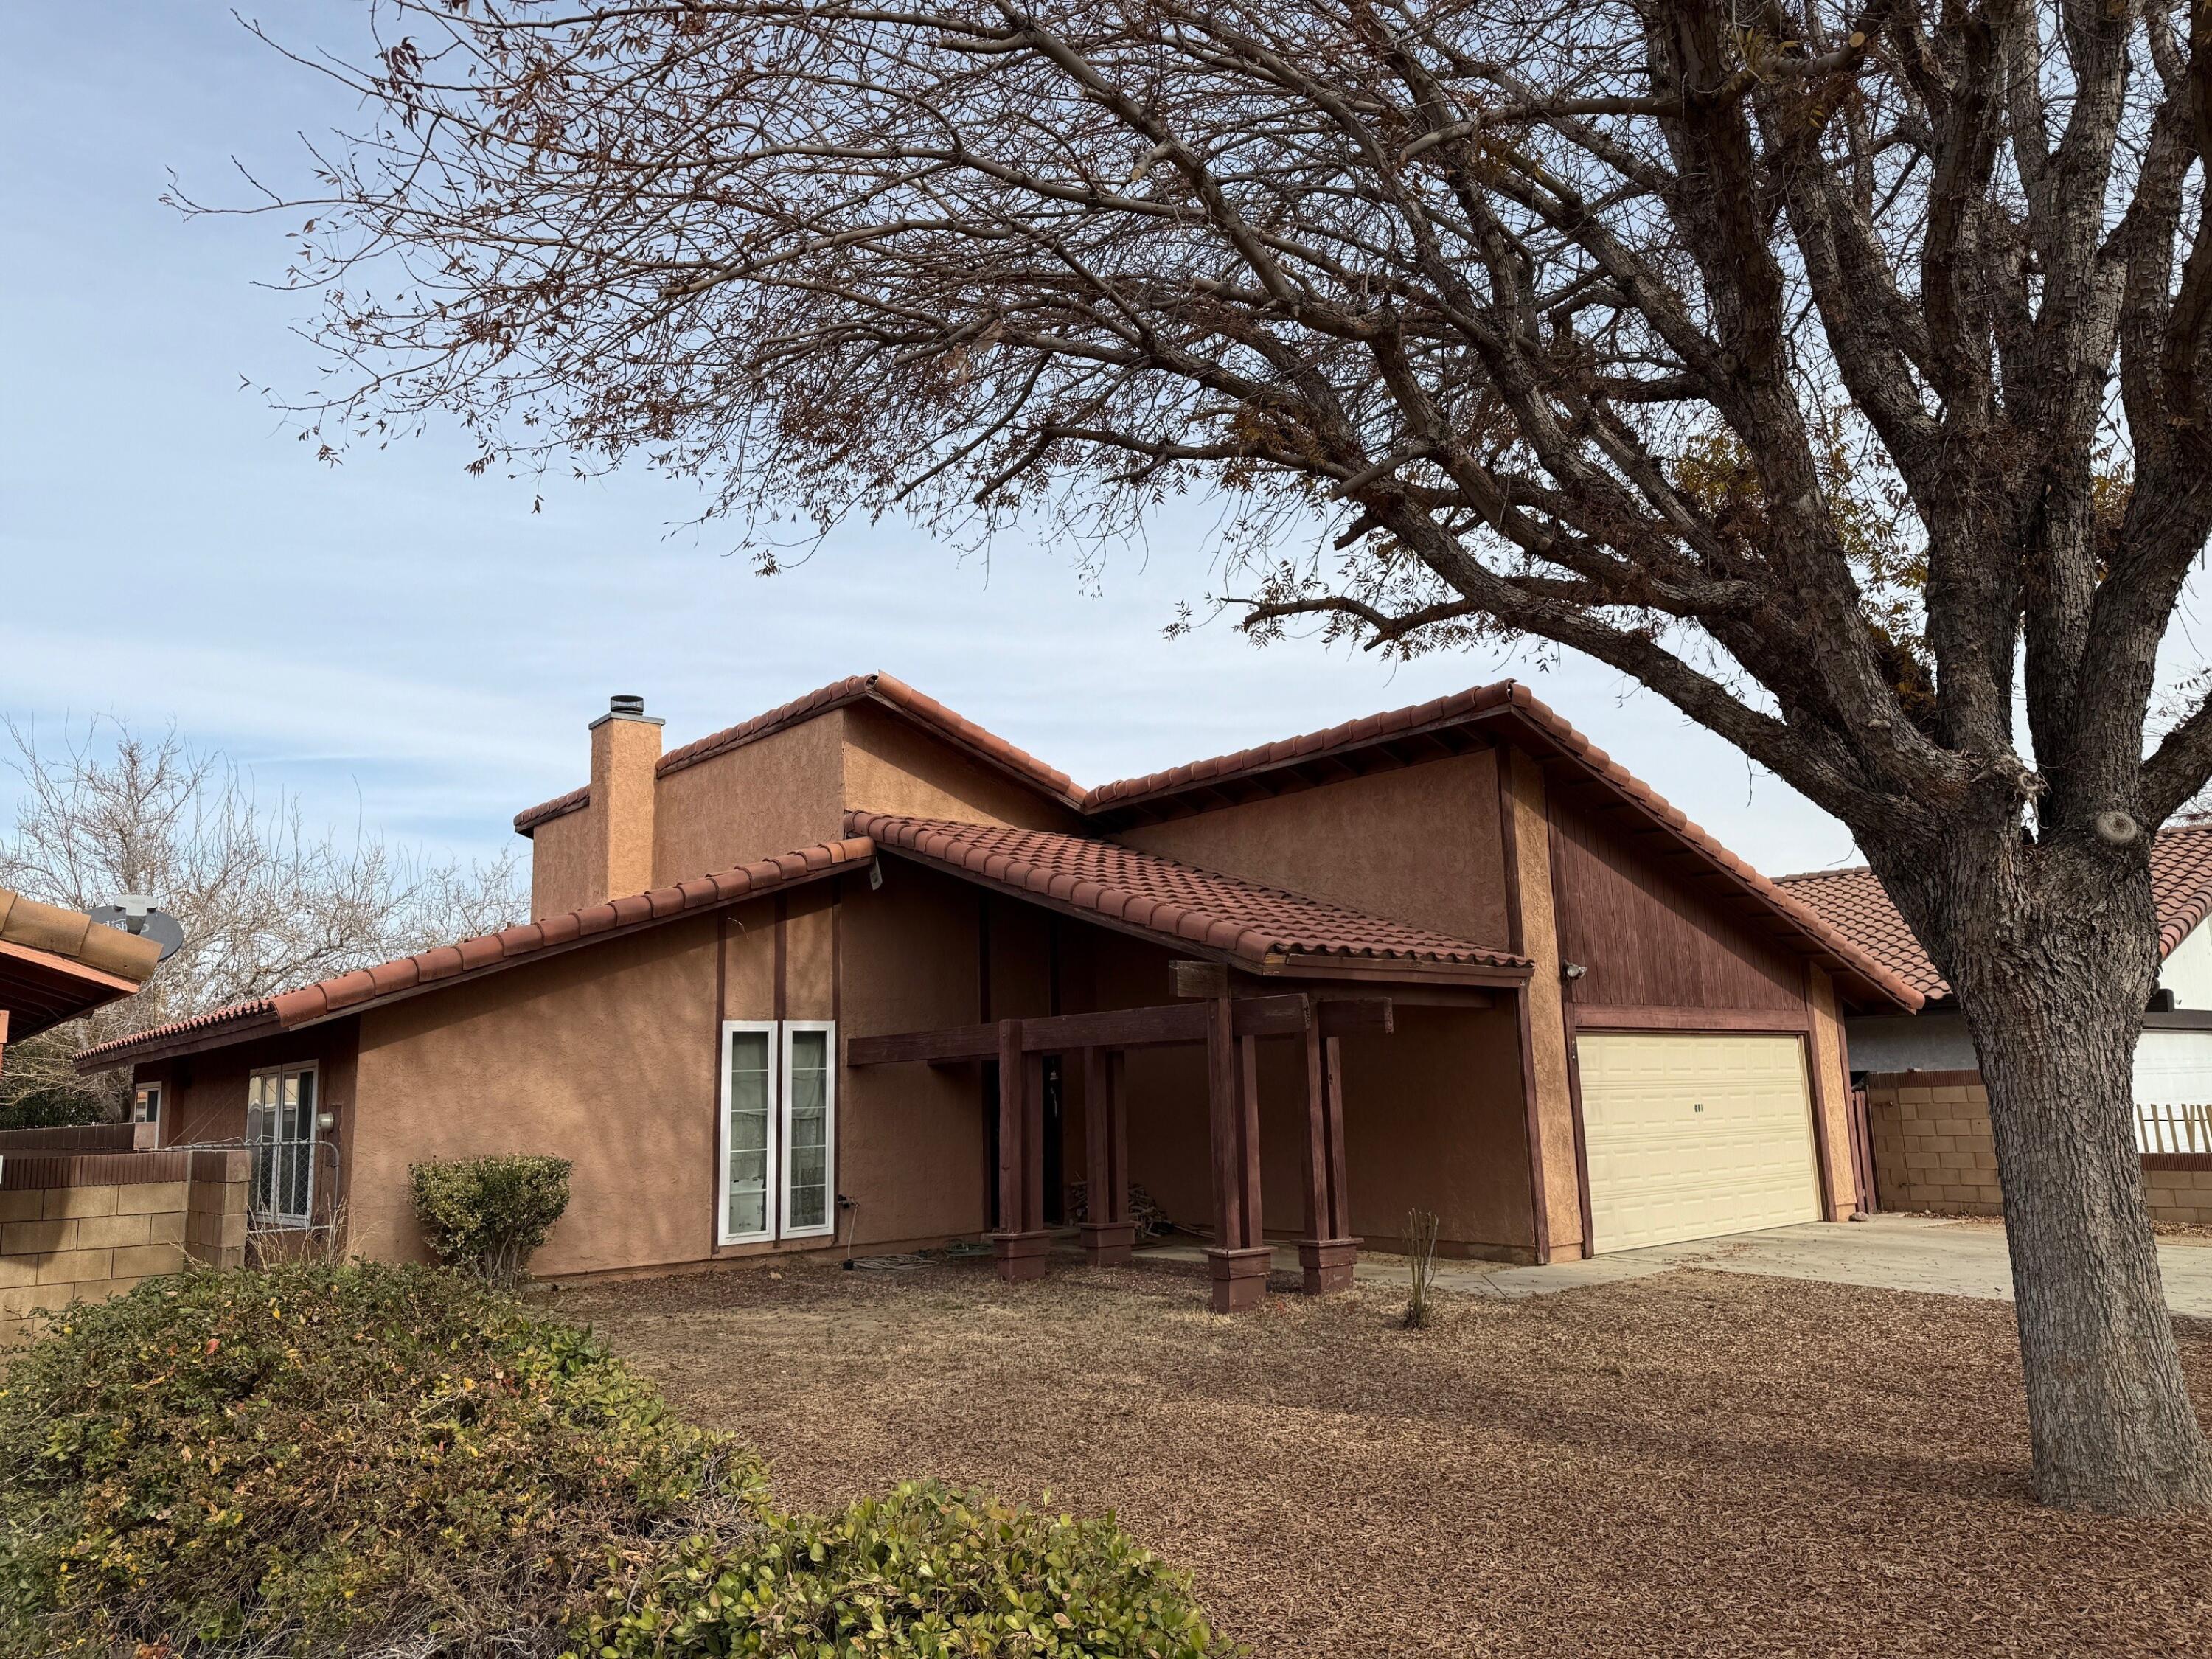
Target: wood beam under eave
x=1165 y=1024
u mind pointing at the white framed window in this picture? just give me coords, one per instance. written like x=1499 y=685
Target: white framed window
x=146 y=1103
x=747 y=1180
x=777 y=1155
x=810 y=1123
x=280 y=1128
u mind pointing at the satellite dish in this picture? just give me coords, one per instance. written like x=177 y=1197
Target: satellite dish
x=140 y=916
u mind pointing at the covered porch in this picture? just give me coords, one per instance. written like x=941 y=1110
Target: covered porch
x=1228 y=1021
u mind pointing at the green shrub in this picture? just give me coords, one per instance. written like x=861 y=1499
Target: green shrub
x=52 y=1108
x=926 y=1571
x=326 y=1459
x=486 y=1215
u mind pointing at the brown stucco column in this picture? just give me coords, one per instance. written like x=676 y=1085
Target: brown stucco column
x=1328 y=1254
x=1021 y=1242
x=1108 y=1234
x=625 y=745
x=1557 y=1196
x=1239 y=1259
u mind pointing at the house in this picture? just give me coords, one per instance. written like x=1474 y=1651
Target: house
x=856 y=974
x=1928 y=1111
x=56 y=964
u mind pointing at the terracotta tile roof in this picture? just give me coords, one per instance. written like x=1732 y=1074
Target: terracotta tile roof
x=1517 y=716
x=1853 y=902
x=546 y=810
x=1362 y=733
x=56 y=964
x=1401 y=736
x=1176 y=903
x=350 y=992
x=75 y=937
x=883 y=690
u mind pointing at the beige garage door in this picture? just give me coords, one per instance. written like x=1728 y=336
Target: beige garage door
x=1690 y=1136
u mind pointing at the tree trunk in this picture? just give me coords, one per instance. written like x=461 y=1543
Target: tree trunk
x=2053 y=981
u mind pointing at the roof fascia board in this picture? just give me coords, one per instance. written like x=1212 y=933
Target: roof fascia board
x=247 y=1029
x=68 y=968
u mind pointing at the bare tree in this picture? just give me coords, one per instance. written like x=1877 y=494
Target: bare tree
x=265 y=905
x=1837 y=371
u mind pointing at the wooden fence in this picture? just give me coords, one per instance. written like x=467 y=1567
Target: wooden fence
x=2163 y=1129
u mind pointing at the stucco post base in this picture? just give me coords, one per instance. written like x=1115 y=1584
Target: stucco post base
x=1020 y=1256
x=1328 y=1263
x=1240 y=1278
x=1108 y=1243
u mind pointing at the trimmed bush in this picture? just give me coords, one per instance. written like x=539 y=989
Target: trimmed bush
x=927 y=1570
x=486 y=1215
x=312 y=1458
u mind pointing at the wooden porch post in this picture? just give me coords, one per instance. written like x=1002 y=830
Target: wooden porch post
x=1020 y=1244
x=1108 y=1234
x=1328 y=1253
x=1240 y=1256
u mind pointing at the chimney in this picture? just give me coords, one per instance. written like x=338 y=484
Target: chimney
x=625 y=743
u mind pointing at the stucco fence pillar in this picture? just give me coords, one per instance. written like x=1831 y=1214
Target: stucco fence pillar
x=83 y=1227
x=1933 y=1151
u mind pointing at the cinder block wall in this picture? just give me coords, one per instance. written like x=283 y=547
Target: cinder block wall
x=1932 y=1145
x=84 y=1227
x=1933 y=1151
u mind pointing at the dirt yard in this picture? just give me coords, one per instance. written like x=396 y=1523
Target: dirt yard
x=1695 y=1464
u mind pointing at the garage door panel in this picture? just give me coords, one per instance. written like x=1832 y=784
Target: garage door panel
x=1693 y=1135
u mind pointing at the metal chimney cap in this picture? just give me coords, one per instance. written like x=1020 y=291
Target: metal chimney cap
x=625 y=707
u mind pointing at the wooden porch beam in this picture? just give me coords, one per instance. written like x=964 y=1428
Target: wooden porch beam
x=1285 y=1014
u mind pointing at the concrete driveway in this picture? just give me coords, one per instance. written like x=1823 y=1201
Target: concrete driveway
x=1890 y=1253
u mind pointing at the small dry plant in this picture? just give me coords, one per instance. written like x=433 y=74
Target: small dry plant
x=1421 y=1260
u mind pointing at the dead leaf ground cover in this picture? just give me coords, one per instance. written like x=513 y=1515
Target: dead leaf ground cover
x=1698 y=1463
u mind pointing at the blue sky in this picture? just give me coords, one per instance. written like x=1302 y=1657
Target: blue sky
x=411 y=648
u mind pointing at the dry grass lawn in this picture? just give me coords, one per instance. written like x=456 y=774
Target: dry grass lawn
x=1698 y=1463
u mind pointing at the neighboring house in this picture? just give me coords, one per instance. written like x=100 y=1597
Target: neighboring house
x=56 y=964
x=1930 y=1132
x=2173 y=1058
x=930 y=991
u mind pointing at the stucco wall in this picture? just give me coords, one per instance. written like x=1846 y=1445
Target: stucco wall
x=564 y=863
x=1434 y=1119
x=891 y=766
x=784 y=792
x=607 y=1055
x=911 y=1151
x=1419 y=845
x=610 y=1056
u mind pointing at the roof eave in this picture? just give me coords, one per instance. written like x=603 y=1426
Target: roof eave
x=276 y=1021
x=245 y=1029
